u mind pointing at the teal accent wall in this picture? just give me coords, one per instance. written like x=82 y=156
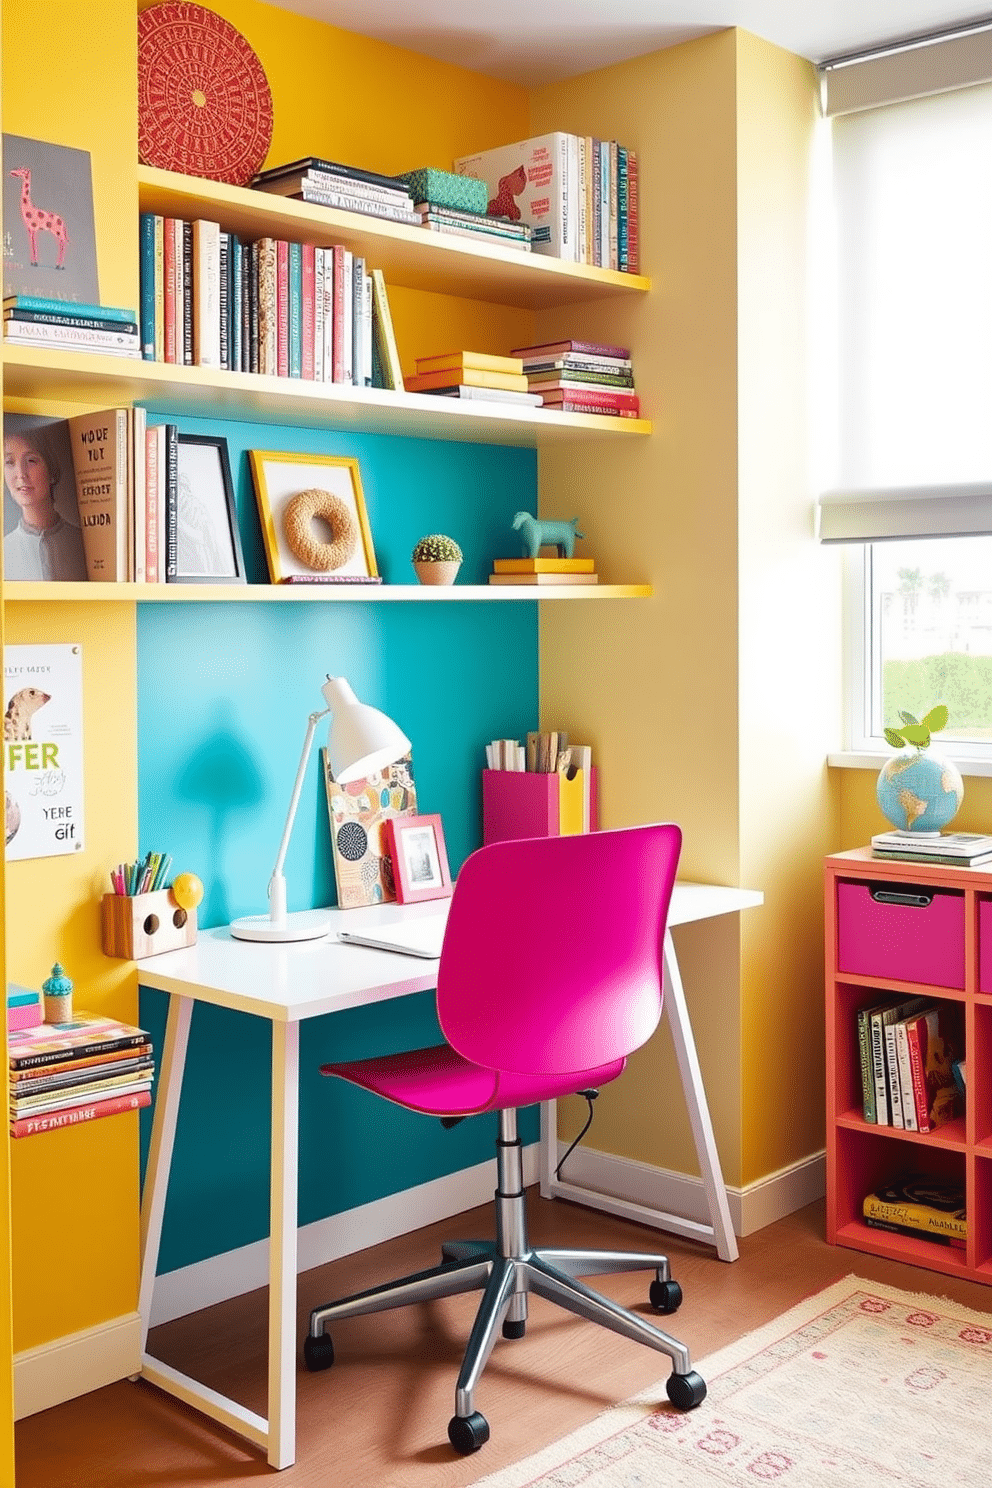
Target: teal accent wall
x=224 y=691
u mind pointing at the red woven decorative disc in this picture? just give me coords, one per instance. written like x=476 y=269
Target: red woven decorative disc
x=204 y=105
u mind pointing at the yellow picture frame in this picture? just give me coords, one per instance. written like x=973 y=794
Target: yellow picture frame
x=310 y=507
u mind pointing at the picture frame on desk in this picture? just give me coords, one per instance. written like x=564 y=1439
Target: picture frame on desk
x=203 y=529
x=315 y=524
x=420 y=860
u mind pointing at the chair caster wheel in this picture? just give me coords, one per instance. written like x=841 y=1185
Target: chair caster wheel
x=318 y=1353
x=468 y=1433
x=665 y=1296
x=686 y=1391
x=514 y=1330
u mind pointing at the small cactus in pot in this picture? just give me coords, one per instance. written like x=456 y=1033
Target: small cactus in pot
x=436 y=559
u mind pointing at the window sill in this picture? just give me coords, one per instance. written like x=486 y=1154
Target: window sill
x=856 y=759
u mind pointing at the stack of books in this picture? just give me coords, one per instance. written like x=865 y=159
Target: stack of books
x=327 y=183
x=578 y=195
x=924 y=1206
x=472 y=374
x=544 y=571
x=581 y=377
x=911 y=1073
x=64 y=1074
x=450 y=203
x=960 y=849
x=69 y=325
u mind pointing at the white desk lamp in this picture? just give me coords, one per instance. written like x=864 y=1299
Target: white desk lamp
x=360 y=740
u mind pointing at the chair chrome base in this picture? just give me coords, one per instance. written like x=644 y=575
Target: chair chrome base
x=506 y=1271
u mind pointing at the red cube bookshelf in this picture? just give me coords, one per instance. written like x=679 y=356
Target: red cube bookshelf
x=942 y=950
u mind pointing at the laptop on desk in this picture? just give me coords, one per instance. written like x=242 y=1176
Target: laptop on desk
x=421 y=937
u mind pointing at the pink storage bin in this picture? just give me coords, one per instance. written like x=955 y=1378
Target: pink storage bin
x=521 y=803
x=901 y=942
x=24 y=1015
x=985 y=945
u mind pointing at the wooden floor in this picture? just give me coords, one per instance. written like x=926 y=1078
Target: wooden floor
x=379 y=1418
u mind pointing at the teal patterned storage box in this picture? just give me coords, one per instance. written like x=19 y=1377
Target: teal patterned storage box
x=444 y=189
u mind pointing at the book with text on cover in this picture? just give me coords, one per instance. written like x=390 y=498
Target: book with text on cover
x=55 y=257
x=534 y=180
x=100 y=456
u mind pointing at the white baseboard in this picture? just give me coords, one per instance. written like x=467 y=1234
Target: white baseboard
x=206 y=1282
x=74 y=1365
x=751 y=1208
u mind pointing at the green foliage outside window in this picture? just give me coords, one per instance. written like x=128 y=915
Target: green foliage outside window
x=963 y=683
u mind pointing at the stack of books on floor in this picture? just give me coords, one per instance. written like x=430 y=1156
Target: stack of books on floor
x=544 y=571
x=912 y=1069
x=327 y=183
x=923 y=1206
x=69 y=325
x=958 y=849
x=450 y=203
x=65 y=1074
x=472 y=374
x=581 y=377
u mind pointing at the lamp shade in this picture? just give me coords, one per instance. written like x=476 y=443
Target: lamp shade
x=360 y=738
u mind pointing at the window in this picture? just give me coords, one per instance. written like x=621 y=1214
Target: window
x=912 y=457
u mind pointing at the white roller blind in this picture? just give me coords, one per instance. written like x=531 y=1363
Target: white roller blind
x=923 y=512
x=914 y=69
x=913 y=212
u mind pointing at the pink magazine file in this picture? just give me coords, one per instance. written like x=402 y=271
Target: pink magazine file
x=521 y=803
x=985 y=945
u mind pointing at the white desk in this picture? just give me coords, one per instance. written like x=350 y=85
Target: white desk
x=305 y=979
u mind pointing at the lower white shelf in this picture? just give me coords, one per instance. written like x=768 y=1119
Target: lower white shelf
x=322 y=593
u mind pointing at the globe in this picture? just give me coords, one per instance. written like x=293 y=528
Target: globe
x=919 y=792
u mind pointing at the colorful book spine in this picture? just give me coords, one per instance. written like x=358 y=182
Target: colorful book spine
x=236 y=329
x=268 y=362
x=81 y=322
x=146 y=280
x=206 y=285
x=29 y=1126
x=318 y=315
x=171 y=502
x=633 y=244
x=152 y=478
x=68 y=307
x=179 y=298
x=138 y=514
x=224 y=300
x=109 y=340
x=282 y=308
x=308 y=310
x=623 y=211
x=893 y=1081
x=907 y=1101
x=329 y=315
x=188 y=293
x=295 y=281
x=160 y=289
x=169 y=269
x=614 y=257
x=357 y=291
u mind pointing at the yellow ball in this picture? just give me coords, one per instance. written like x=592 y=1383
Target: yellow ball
x=187 y=890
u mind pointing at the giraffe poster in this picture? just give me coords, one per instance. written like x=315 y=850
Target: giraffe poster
x=43 y=751
x=49 y=238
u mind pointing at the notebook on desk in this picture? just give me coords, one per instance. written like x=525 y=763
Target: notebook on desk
x=421 y=937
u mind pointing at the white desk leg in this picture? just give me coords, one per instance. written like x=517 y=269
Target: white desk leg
x=283 y=1244
x=160 y=1151
x=699 y=1111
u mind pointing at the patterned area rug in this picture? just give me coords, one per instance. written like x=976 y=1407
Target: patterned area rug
x=860 y=1384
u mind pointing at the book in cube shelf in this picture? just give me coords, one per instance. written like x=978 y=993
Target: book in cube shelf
x=922 y=1205
x=907 y=1052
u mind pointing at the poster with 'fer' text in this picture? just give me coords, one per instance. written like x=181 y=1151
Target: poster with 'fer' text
x=43 y=751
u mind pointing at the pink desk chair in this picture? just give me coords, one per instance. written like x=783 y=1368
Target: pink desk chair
x=550 y=975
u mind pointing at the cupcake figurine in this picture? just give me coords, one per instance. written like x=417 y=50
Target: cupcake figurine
x=58 y=996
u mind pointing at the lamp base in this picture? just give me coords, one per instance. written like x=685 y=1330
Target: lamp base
x=305 y=924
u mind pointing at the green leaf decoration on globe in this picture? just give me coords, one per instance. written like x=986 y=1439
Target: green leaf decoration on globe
x=919 y=792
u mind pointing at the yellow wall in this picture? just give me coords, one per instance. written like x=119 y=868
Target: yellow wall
x=334 y=94
x=715 y=702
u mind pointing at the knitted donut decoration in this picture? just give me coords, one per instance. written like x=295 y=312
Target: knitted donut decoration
x=297 y=524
